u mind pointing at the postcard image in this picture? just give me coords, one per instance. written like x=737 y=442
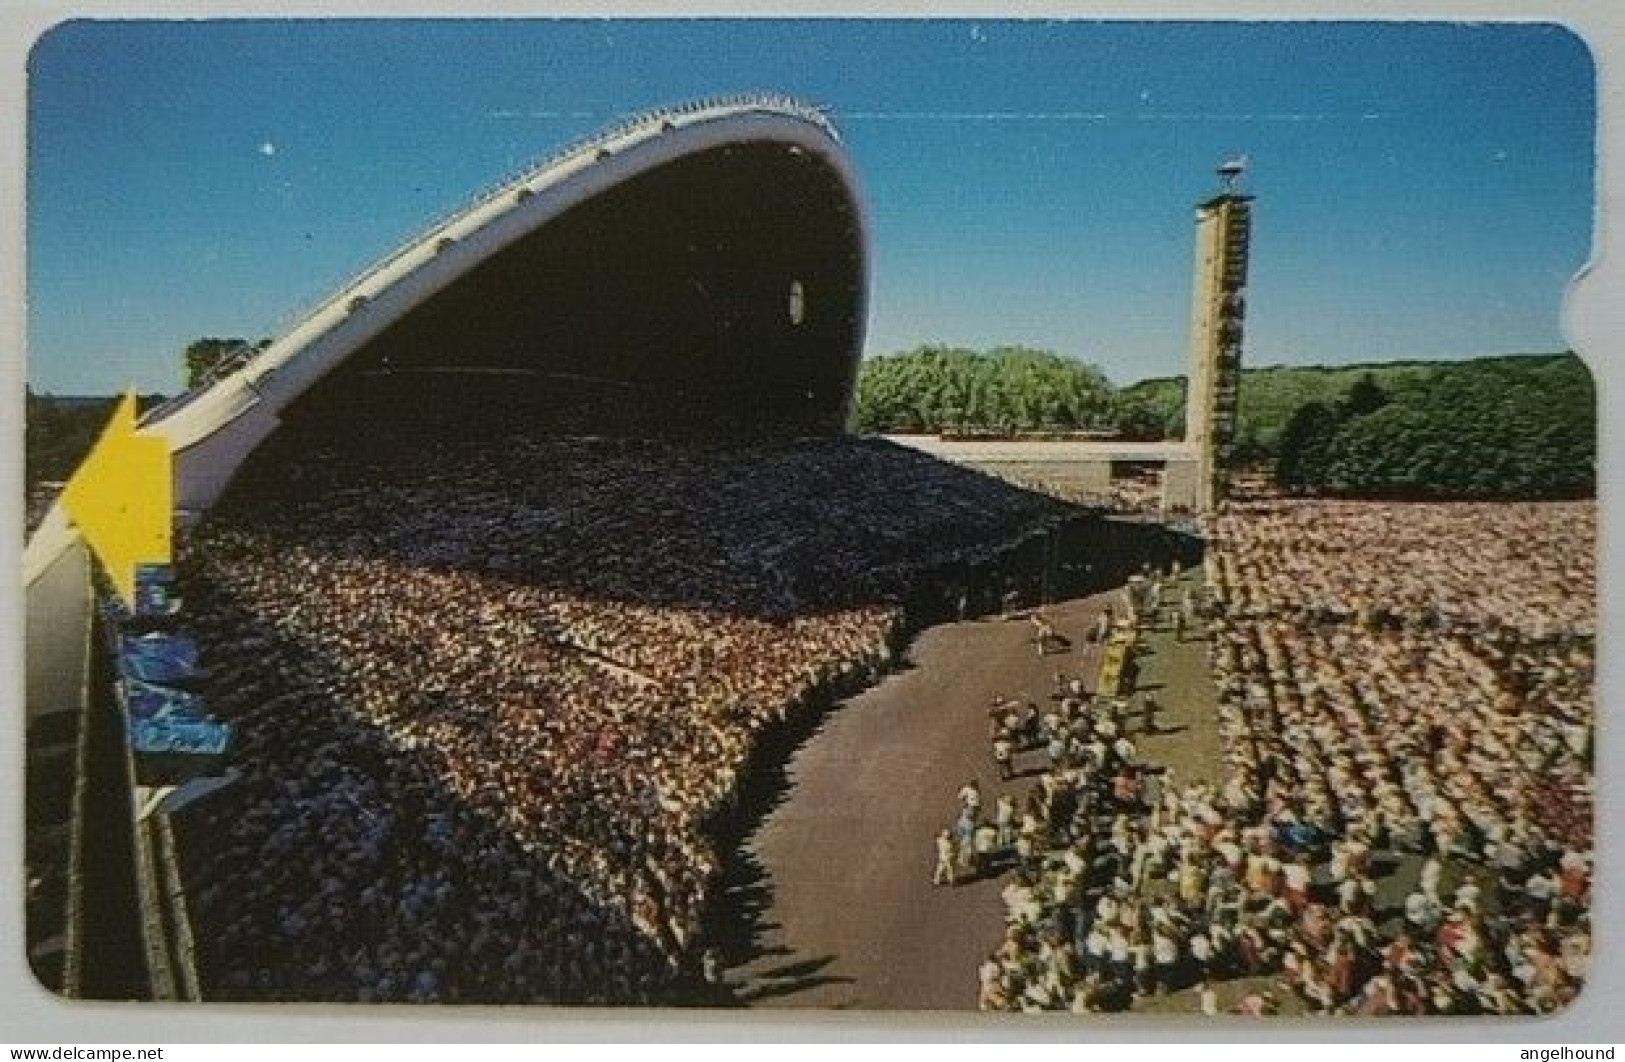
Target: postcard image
x=995 y=515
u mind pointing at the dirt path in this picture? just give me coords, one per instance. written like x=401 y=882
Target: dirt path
x=837 y=878
x=848 y=916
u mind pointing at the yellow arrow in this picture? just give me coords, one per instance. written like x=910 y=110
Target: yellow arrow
x=122 y=499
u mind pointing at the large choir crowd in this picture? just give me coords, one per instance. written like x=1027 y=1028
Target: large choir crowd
x=1405 y=823
x=494 y=702
x=493 y=699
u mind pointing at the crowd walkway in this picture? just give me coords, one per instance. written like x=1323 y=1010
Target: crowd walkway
x=839 y=873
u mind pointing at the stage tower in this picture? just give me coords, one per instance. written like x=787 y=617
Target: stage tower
x=1219 y=305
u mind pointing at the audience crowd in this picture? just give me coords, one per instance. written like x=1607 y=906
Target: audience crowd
x=1472 y=566
x=493 y=700
x=1139 y=494
x=1405 y=820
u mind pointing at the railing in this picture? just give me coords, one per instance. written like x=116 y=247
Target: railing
x=230 y=362
x=507 y=185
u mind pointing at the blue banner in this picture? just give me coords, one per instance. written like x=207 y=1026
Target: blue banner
x=160 y=658
x=200 y=738
x=155 y=590
x=146 y=702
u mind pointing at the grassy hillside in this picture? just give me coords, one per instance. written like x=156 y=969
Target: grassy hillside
x=1270 y=395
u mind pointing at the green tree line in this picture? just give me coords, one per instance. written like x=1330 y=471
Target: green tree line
x=1269 y=396
x=943 y=389
x=1514 y=425
x=1494 y=428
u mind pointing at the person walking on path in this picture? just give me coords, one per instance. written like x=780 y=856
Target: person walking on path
x=946 y=872
x=1004 y=819
x=965 y=840
x=1043 y=633
x=1003 y=755
x=970 y=798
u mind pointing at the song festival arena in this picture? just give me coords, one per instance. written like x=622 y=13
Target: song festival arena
x=544 y=637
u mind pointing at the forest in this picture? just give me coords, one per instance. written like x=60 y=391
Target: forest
x=935 y=389
x=1494 y=428
x=1503 y=426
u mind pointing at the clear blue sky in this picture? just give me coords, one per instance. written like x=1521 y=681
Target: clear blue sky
x=1423 y=190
